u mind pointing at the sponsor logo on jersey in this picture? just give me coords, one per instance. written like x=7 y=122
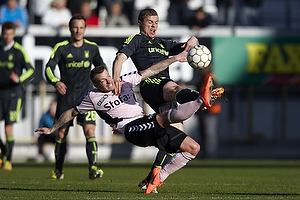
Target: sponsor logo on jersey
x=112 y=104
x=74 y=64
x=157 y=50
x=102 y=100
x=69 y=55
x=7 y=64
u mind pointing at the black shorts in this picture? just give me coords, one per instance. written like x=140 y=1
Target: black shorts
x=82 y=119
x=146 y=131
x=10 y=106
x=152 y=92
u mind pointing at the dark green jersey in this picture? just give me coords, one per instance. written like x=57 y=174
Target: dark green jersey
x=14 y=60
x=145 y=51
x=74 y=65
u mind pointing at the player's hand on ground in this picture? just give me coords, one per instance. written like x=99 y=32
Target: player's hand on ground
x=43 y=130
x=118 y=87
x=61 y=88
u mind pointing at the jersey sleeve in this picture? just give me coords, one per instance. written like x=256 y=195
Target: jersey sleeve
x=175 y=47
x=85 y=104
x=50 y=66
x=98 y=61
x=134 y=78
x=28 y=75
x=131 y=45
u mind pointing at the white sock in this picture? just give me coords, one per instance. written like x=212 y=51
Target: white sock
x=184 y=111
x=178 y=161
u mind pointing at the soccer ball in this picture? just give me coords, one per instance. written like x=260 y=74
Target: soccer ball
x=199 y=57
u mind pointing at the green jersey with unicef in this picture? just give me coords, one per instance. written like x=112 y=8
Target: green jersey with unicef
x=74 y=64
x=145 y=51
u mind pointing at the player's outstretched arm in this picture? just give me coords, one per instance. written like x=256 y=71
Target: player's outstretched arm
x=162 y=65
x=63 y=119
x=116 y=70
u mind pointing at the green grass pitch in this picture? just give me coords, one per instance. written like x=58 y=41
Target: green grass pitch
x=200 y=179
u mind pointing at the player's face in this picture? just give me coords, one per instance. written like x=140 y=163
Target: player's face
x=78 y=29
x=105 y=82
x=8 y=35
x=149 y=26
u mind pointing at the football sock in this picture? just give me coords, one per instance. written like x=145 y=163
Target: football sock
x=2 y=147
x=184 y=111
x=40 y=144
x=186 y=95
x=60 y=153
x=91 y=151
x=161 y=159
x=9 y=147
x=178 y=161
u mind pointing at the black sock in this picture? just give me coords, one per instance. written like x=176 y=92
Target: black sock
x=91 y=151
x=60 y=153
x=9 y=147
x=2 y=147
x=161 y=159
x=186 y=95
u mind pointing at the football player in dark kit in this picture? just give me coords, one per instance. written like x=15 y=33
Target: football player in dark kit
x=13 y=60
x=159 y=91
x=74 y=58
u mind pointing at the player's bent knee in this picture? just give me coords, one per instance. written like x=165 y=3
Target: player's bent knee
x=193 y=148
x=89 y=134
x=189 y=145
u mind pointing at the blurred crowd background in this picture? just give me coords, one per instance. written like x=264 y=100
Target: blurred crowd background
x=102 y=13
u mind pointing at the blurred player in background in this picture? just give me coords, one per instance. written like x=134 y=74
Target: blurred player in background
x=159 y=91
x=13 y=60
x=47 y=120
x=125 y=116
x=74 y=58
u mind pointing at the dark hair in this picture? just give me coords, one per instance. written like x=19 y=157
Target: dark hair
x=146 y=12
x=97 y=70
x=200 y=10
x=7 y=25
x=76 y=17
